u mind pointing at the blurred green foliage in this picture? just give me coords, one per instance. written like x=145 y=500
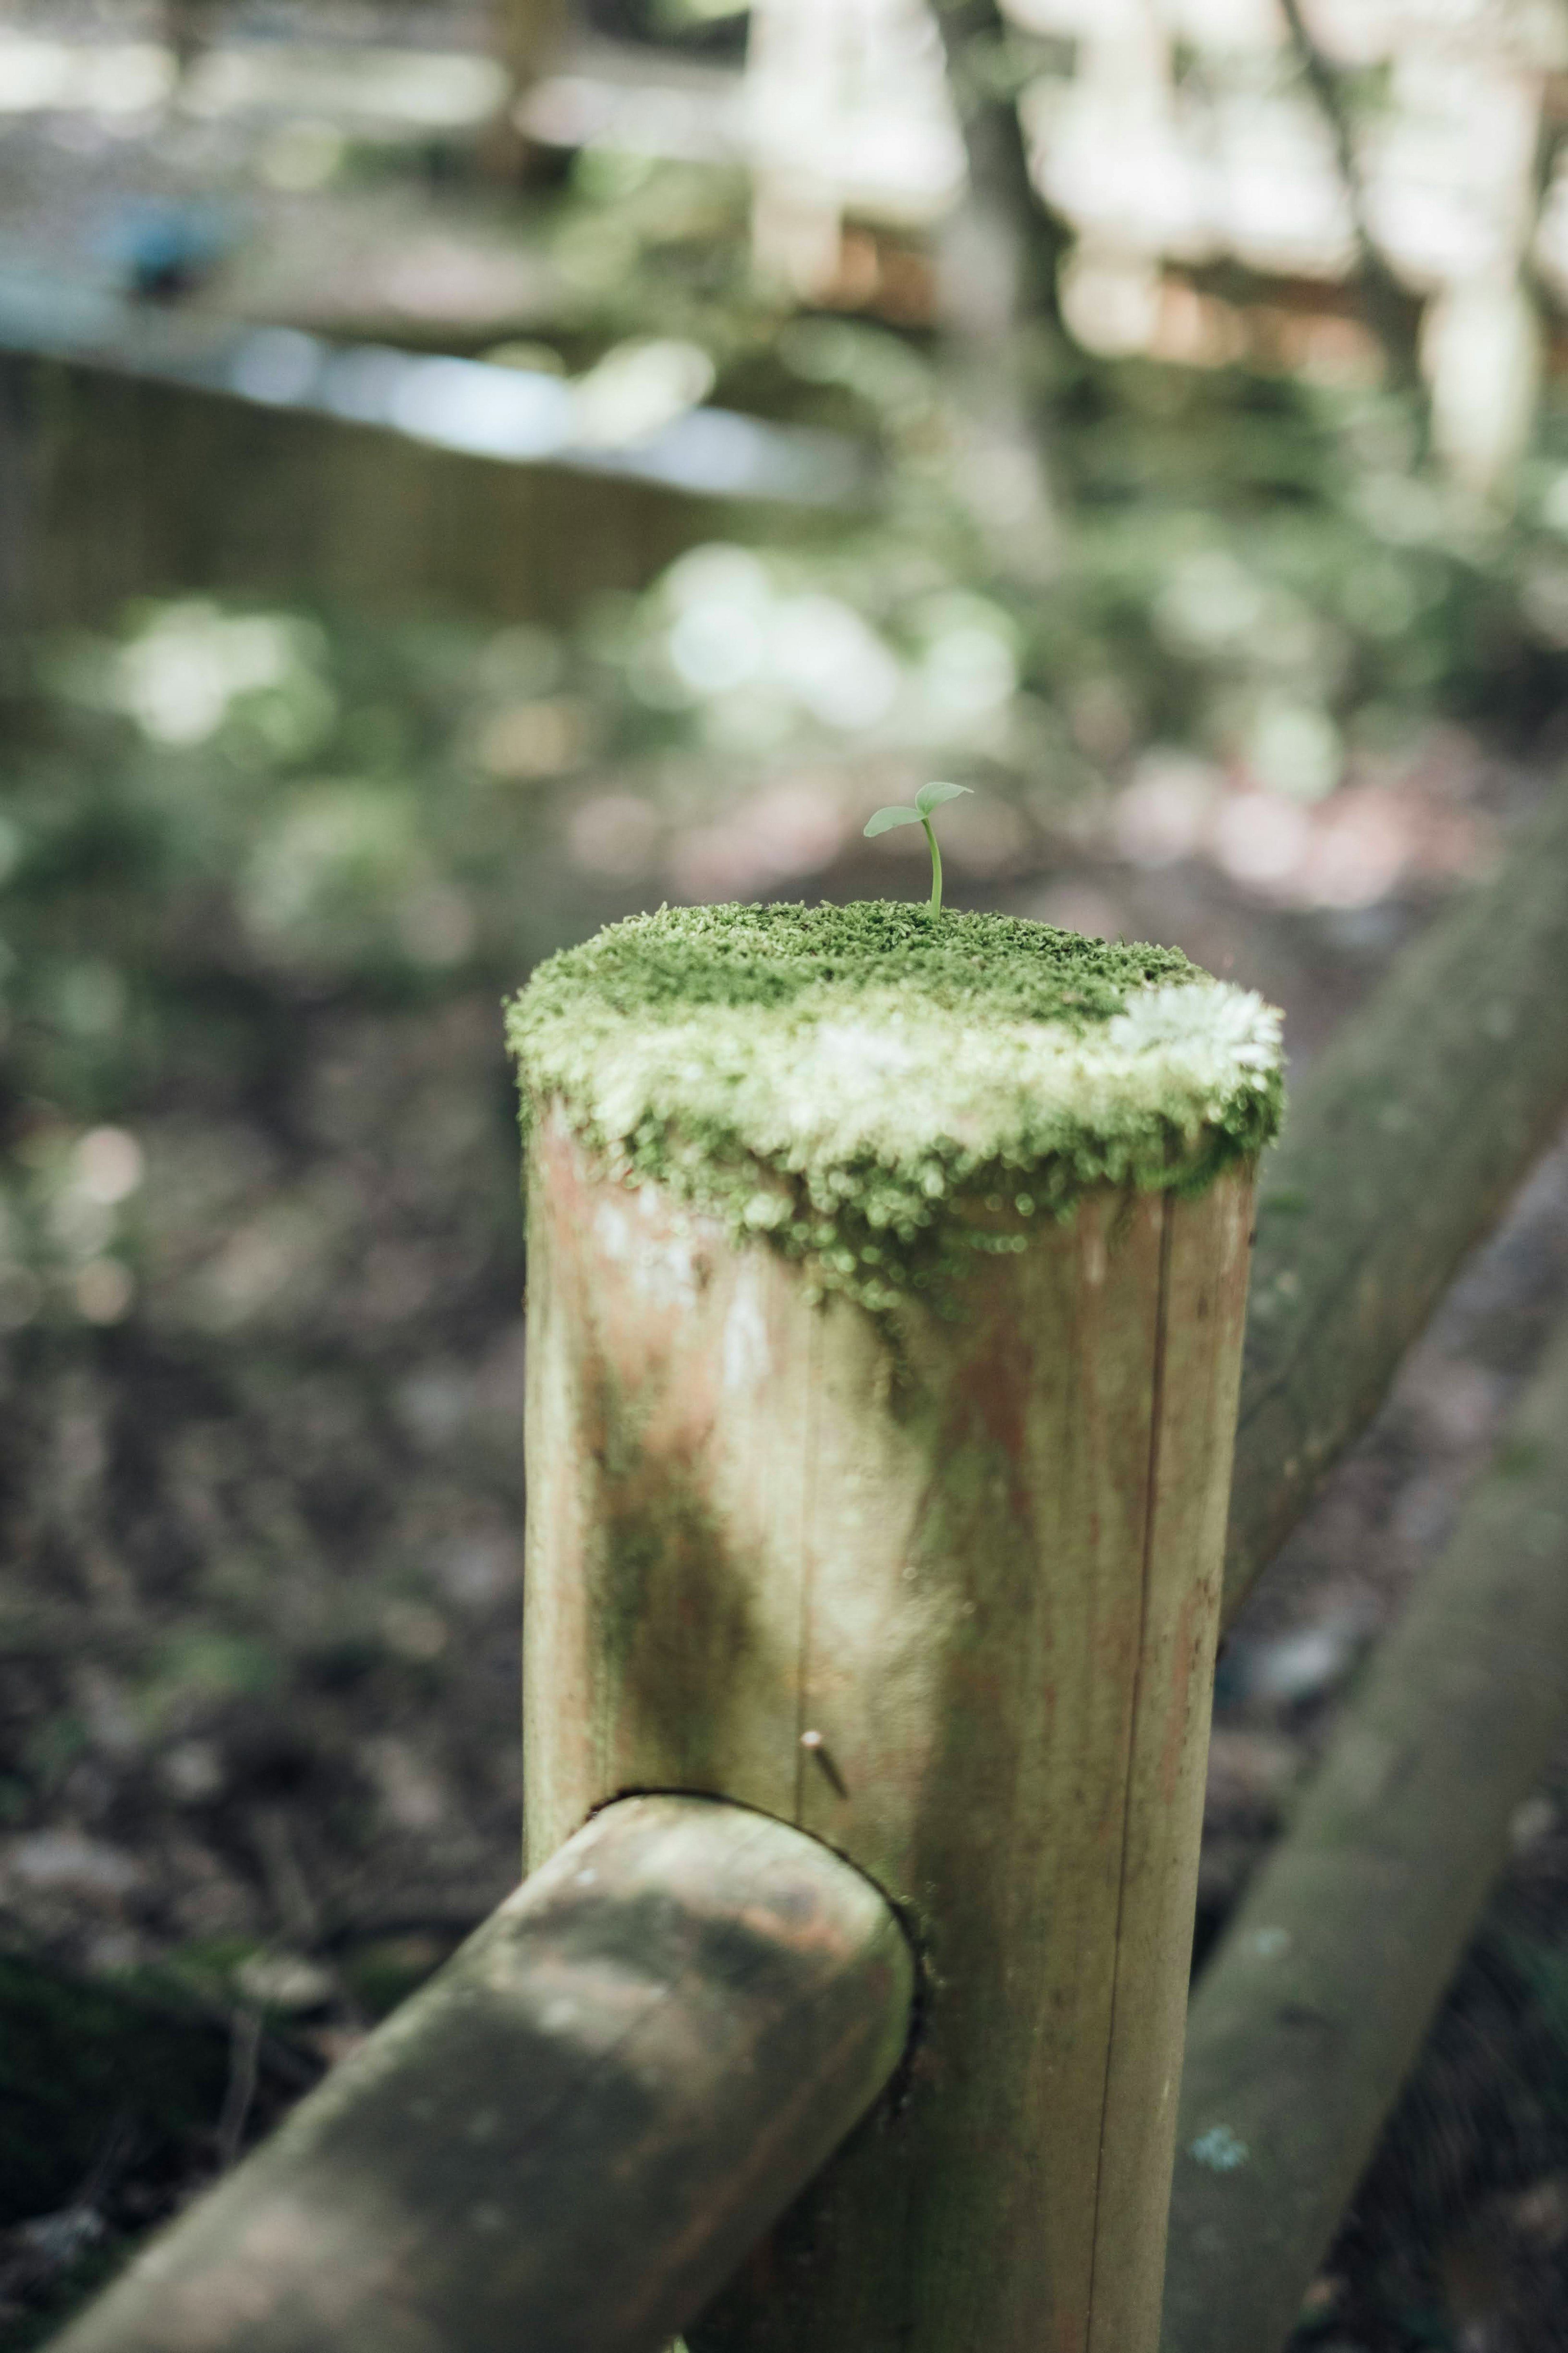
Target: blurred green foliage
x=1233 y=547
x=216 y=818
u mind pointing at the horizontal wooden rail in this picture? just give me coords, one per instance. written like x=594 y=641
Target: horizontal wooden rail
x=1306 y=2023
x=1400 y=1152
x=567 y=2141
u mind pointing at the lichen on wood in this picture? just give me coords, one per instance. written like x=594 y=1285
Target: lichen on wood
x=885 y=1094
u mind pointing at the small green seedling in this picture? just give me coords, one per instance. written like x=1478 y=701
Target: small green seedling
x=930 y=797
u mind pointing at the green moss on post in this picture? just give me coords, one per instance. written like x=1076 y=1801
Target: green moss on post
x=854 y=1084
x=937 y=1581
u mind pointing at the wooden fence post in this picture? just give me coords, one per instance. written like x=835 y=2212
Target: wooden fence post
x=886 y=1287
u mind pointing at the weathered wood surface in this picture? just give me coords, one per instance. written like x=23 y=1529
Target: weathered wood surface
x=957 y=1620
x=1399 y=1152
x=1306 y=2023
x=570 y=2136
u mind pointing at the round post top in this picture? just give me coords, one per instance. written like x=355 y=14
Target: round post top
x=881 y=1092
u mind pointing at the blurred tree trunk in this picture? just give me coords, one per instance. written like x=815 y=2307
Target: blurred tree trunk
x=189 y=27
x=526 y=36
x=528 y=33
x=1391 y=310
x=997 y=281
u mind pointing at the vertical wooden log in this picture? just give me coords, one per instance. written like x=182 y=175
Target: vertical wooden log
x=942 y=1587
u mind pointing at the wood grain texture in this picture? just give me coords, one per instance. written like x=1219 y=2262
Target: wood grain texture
x=952 y=1608
x=1307 y=2019
x=1399 y=1152
x=568 y=2139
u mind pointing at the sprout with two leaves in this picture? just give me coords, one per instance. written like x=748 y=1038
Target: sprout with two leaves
x=930 y=797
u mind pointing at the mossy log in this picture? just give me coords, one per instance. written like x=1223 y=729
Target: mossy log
x=567 y=2139
x=1306 y=2023
x=1401 y=1149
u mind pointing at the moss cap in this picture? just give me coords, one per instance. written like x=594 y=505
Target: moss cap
x=852 y=1082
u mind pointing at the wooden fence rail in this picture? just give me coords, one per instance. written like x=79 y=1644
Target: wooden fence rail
x=1307 y=2019
x=569 y=2138
x=1400 y=1152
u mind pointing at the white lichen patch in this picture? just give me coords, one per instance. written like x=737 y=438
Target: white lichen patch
x=1220 y=2150
x=824 y=1082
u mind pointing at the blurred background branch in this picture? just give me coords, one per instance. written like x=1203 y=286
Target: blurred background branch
x=996 y=291
x=1392 y=310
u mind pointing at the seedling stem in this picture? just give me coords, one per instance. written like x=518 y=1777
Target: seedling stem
x=930 y=797
x=935 y=868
